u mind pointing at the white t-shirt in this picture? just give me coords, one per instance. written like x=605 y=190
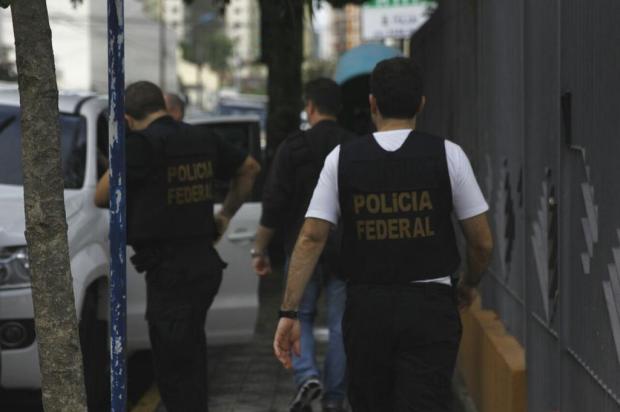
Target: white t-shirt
x=467 y=198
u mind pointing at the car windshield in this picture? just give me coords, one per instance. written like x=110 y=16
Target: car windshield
x=72 y=146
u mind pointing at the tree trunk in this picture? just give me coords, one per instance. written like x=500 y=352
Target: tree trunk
x=46 y=226
x=282 y=51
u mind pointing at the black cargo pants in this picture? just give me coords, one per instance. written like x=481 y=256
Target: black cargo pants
x=180 y=290
x=401 y=343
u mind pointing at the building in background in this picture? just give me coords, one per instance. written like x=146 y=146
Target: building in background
x=242 y=19
x=346 y=25
x=243 y=28
x=172 y=12
x=79 y=39
x=325 y=34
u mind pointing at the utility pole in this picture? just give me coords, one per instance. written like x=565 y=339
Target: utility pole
x=118 y=224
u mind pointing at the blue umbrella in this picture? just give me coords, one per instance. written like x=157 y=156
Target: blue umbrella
x=362 y=60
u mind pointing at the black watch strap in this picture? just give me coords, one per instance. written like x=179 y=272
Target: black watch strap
x=291 y=314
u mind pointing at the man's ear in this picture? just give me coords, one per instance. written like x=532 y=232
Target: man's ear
x=422 y=104
x=373 y=104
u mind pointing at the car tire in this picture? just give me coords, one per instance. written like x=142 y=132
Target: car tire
x=95 y=353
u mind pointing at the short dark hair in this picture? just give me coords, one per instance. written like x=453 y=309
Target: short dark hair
x=143 y=98
x=325 y=94
x=398 y=86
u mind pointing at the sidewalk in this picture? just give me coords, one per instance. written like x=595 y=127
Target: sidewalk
x=248 y=378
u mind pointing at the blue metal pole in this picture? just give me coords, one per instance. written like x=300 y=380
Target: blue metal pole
x=116 y=128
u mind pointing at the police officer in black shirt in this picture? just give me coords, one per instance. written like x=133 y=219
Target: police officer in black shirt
x=394 y=192
x=288 y=190
x=171 y=169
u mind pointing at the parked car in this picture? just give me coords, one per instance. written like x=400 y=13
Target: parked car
x=84 y=137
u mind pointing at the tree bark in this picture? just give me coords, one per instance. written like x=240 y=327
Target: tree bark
x=46 y=226
x=282 y=51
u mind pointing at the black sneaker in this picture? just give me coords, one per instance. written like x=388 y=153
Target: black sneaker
x=310 y=390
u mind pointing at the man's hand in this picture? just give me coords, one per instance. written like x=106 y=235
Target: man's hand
x=465 y=295
x=287 y=337
x=102 y=192
x=221 y=224
x=261 y=265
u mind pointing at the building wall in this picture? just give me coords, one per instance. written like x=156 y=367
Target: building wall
x=353 y=25
x=79 y=39
x=143 y=50
x=529 y=89
x=71 y=46
x=242 y=27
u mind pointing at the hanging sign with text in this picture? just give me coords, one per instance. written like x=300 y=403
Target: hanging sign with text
x=397 y=19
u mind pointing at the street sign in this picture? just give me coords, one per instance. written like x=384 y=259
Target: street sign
x=396 y=19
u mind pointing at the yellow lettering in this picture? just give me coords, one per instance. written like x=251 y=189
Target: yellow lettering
x=182 y=173
x=381 y=230
x=197 y=193
x=191 y=172
x=172 y=172
x=203 y=170
x=178 y=198
x=393 y=228
x=401 y=202
x=414 y=202
x=429 y=231
x=384 y=207
x=360 y=229
x=425 y=201
x=395 y=202
x=418 y=228
x=404 y=228
x=358 y=203
x=371 y=230
x=373 y=204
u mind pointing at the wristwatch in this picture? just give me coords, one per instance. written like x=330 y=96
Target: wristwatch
x=291 y=314
x=256 y=253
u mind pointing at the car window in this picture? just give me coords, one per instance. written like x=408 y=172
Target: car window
x=72 y=147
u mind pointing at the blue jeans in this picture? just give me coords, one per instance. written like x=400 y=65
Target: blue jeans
x=305 y=366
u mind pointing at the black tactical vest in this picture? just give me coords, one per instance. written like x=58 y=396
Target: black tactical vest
x=396 y=211
x=175 y=200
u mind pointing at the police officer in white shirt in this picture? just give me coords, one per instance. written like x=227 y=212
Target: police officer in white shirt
x=394 y=193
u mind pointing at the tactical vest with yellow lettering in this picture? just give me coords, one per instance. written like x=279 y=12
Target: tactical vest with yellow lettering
x=175 y=200
x=396 y=211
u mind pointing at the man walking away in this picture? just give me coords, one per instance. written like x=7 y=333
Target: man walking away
x=172 y=228
x=394 y=193
x=295 y=172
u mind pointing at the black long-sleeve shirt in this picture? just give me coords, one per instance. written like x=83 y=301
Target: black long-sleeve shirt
x=294 y=174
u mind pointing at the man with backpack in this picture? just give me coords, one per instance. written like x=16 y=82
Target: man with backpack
x=293 y=177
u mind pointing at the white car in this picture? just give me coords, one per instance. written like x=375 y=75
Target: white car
x=84 y=136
